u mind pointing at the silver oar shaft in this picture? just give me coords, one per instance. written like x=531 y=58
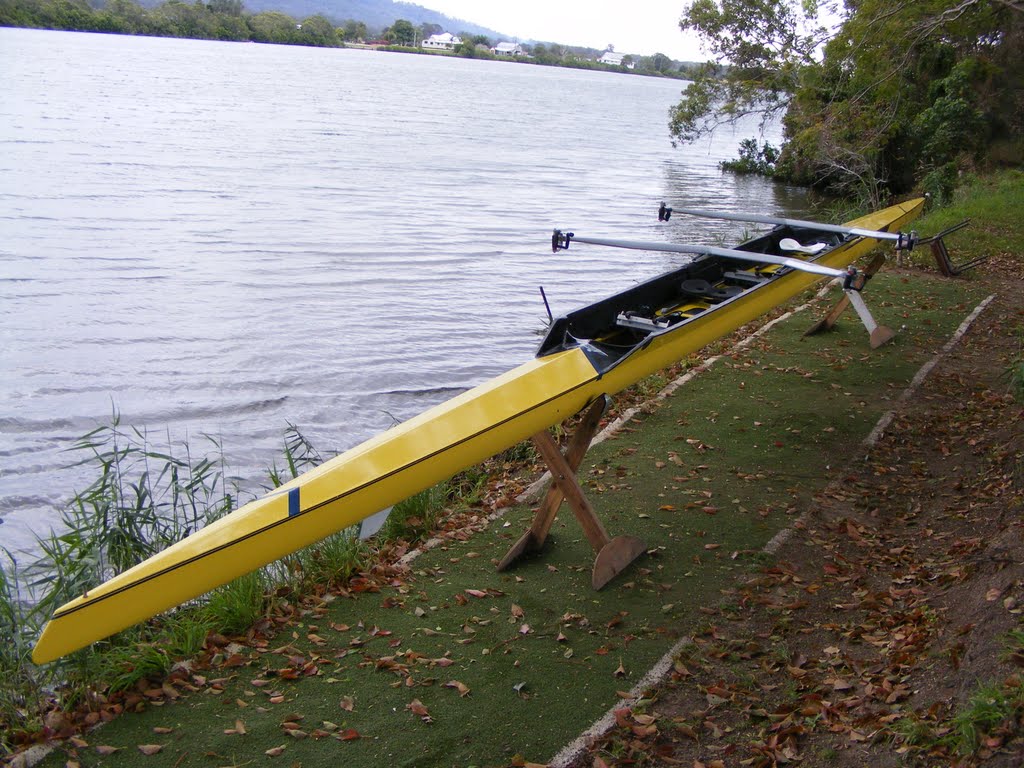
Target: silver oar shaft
x=902 y=240
x=707 y=250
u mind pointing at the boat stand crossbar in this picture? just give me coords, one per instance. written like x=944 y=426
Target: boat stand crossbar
x=941 y=252
x=878 y=334
x=613 y=554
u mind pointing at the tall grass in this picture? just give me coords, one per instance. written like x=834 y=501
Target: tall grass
x=22 y=696
x=143 y=499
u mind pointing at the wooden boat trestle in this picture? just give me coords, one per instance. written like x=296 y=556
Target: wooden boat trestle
x=613 y=554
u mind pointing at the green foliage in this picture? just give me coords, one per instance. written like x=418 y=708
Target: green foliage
x=402 y=32
x=299 y=454
x=754 y=159
x=768 y=46
x=992 y=706
x=353 y=31
x=899 y=93
x=217 y=20
x=142 y=501
x=21 y=686
x=233 y=608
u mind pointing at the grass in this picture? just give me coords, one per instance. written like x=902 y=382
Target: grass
x=992 y=204
x=143 y=499
x=993 y=711
x=992 y=706
x=705 y=479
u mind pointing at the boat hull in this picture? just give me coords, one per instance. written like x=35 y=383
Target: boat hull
x=407 y=459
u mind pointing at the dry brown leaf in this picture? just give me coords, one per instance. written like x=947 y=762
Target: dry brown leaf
x=275 y=751
x=417 y=708
x=106 y=750
x=347 y=703
x=462 y=688
x=150 y=749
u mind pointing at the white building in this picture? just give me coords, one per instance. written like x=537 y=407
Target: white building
x=615 y=59
x=507 y=49
x=445 y=41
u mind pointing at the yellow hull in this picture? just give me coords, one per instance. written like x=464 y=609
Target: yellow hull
x=401 y=462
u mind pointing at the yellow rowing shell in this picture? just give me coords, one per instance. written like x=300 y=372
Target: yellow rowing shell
x=407 y=459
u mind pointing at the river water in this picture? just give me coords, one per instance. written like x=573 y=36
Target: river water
x=222 y=238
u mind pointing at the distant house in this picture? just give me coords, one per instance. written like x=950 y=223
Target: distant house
x=507 y=49
x=615 y=59
x=445 y=41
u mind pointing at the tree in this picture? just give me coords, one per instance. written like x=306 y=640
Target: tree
x=402 y=32
x=900 y=90
x=317 y=30
x=353 y=30
x=273 y=27
x=227 y=7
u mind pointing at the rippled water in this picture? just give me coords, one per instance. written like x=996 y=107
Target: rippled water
x=220 y=238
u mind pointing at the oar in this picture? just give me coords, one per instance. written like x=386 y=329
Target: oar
x=852 y=281
x=560 y=241
x=904 y=242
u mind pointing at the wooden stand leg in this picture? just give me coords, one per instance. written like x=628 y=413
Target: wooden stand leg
x=613 y=555
x=879 y=335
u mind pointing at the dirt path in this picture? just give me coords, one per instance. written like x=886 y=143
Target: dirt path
x=896 y=600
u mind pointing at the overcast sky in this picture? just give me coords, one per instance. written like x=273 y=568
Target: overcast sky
x=641 y=27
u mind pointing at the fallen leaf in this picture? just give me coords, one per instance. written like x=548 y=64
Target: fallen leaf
x=105 y=750
x=150 y=749
x=349 y=734
x=347 y=703
x=417 y=708
x=275 y=751
x=462 y=688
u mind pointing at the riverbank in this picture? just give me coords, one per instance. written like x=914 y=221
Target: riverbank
x=403 y=662
x=886 y=629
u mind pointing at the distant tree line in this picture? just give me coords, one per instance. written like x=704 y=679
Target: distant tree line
x=215 y=20
x=228 y=20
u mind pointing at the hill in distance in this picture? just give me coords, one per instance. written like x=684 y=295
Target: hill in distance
x=376 y=14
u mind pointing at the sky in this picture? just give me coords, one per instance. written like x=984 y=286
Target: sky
x=642 y=27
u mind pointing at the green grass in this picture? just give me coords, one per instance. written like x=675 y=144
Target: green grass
x=993 y=203
x=993 y=705
x=705 y=479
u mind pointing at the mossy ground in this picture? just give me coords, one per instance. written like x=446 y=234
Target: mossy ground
x=534 y=655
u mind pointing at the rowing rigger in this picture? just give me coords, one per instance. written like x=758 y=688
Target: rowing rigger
x=852 y=280
x=904 y=241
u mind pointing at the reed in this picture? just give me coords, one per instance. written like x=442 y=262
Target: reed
x=22 y=695
x=143 y=499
